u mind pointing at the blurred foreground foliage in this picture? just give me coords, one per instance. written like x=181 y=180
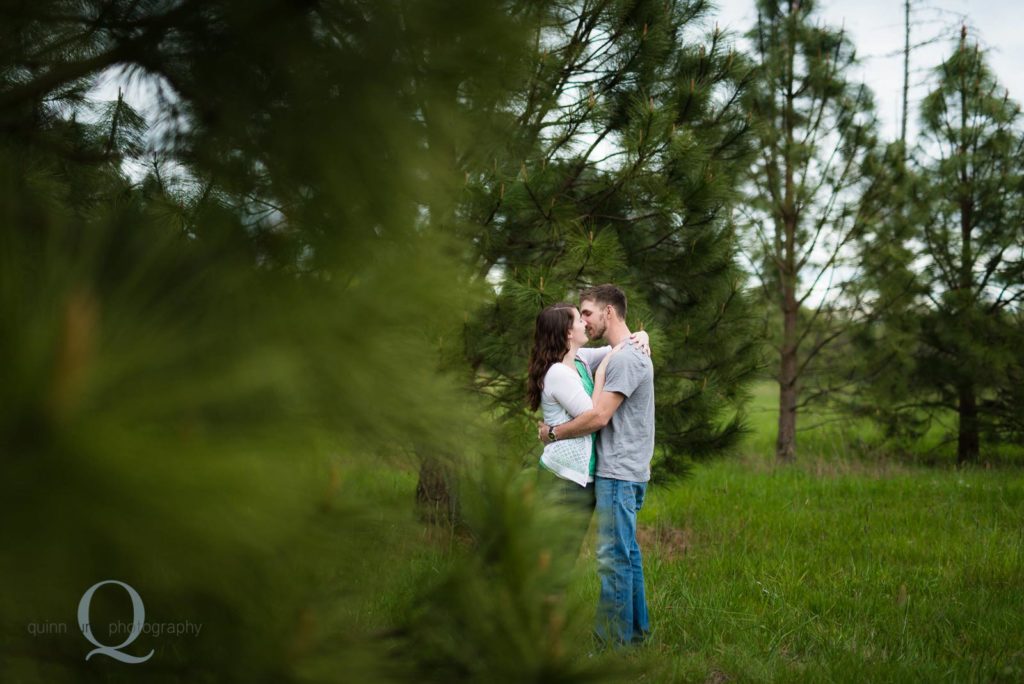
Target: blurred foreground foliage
x=209 y=326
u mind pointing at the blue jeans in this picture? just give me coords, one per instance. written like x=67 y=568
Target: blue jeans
x=622 y=606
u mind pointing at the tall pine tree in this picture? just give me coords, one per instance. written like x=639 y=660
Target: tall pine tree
x=625 y=141
x=951 y=343
x=808 y=196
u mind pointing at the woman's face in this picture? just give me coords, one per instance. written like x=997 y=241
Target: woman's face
x=578 y=331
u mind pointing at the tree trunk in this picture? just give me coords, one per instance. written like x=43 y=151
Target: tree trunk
x=437 y=498
x=785 y=443
x=906 y=76
x=968 y=442
x=967 y=446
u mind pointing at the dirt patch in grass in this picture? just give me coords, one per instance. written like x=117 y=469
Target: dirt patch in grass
x=668 y=541
x=717 y=677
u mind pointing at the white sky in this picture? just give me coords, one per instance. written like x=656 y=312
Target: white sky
x=876 y=28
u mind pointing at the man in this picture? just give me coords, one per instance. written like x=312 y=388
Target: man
x=624 y=414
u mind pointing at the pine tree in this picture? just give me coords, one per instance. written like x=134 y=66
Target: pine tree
x=625 y=142
x=809 y=197
x=951 y=343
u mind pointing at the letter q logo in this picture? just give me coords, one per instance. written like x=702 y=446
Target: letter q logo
x=138 y=620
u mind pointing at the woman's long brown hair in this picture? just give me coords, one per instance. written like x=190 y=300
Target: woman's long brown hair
x=550 y=344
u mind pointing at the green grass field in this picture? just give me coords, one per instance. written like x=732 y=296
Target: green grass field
x=833 y=569
x=838 y=574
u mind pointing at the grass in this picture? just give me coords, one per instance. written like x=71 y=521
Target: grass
x=839 y=568
x=812 y=574
x=835 y=569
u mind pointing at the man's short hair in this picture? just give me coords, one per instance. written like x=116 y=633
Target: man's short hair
x=605 y=295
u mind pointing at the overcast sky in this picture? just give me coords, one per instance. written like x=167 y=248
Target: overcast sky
x=876 y=27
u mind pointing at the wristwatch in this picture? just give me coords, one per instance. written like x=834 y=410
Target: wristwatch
x=551 y=433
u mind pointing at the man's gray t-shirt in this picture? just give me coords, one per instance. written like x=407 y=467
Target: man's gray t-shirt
x=626 y=444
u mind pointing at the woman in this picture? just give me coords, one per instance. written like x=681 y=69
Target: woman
x=560 y=382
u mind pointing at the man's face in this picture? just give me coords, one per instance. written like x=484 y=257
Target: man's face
x=594 y=318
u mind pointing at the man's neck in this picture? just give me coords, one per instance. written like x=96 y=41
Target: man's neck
x=616 y=333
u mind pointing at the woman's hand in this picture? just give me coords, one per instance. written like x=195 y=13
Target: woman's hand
x=642 y=341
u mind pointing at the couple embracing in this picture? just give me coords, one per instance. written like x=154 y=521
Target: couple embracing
x=598 y=431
